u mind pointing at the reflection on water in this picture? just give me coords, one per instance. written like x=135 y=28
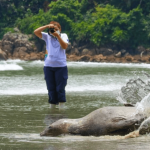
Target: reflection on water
x=25 y=112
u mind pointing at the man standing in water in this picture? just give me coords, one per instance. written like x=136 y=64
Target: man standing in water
x=55 y=65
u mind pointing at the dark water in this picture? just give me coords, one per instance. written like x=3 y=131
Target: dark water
x=25 y=112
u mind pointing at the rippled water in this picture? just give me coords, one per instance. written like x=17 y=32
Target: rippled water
x=25 y=112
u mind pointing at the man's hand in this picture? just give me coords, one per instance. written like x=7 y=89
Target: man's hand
x=55 y=29
x=50 y=26
x=55 y=34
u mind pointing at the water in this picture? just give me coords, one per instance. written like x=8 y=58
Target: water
x=25 y=112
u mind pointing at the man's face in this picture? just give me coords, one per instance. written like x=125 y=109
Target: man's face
x=56 y=27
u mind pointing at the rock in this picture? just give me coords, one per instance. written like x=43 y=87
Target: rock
x=23 y=43
x=85 y=51
x=74 y=51
x=68 y=48
x=140 y=49
x=33 y=56
x=0 y=44
x=16 y=29
x=124 y=52
x=85 y=58
x=74 y=44
x=99 y=58
x=129 y=58
x=3 y=55
x=118 y=55
x=104 y=51
x=103 y=121
x=7 y=45
x=20 y=52
x=145 y=127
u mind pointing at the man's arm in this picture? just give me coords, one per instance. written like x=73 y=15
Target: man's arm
x=38 y=31
x=63 y=44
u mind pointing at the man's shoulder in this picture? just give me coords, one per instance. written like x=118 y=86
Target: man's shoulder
x=45 y=33
x=63 y=34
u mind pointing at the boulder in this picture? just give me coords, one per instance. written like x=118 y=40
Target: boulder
x=85 y=58
x=104 y=51
x=3 y=55
x=7 y=45
x=118 y=55
x=34 y=56
x=20 y=52
x=74 y=51
x=0 y=44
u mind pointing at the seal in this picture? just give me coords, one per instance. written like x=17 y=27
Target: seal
x=145 y=127
x=103 y=121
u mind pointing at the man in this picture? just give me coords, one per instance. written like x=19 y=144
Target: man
x=55 y=65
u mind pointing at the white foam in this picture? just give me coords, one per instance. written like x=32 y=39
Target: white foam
x=96 y=64
x=144 y=106
x=6 y=66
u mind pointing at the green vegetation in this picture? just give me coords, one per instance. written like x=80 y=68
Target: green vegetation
x=123 y=24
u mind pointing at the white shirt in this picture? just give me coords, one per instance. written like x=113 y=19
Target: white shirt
x=56 y=55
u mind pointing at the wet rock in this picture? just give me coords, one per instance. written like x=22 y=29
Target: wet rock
x=104 y=51
x=129 y=58
x=74 y=51
x=0 y=44
x=145 y=127
x=140 y=49
x=85 y=58
x=99 y=58
x=118 y=55
x=16 y=29
x=7 y=45
x=69 y=48
x=20 y=52
x=3 y=55
x=34 y=56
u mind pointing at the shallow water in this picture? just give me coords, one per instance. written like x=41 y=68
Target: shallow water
x=25 y=112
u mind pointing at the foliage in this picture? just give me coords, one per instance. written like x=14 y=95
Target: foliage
x=10 y=10
x=124 y=23
x=108 y=25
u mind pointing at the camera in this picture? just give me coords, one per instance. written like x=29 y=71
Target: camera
x=52 y=30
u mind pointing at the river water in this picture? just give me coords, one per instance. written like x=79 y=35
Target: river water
x=25 y=111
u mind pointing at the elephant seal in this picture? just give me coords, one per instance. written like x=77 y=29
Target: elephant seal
x=145 y=127
x=103 y=121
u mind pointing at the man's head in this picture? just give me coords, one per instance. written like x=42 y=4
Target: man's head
x=55 y=23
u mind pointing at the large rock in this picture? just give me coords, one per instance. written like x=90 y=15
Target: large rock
x=104 y=51
x=103 y=121
x=140 y=49
x=20 y=52
x=3 y=55
x=74 y=51
x=0 y=44
x=90 y=52
x=7 y=45
x=145 y=127
x=23 y=43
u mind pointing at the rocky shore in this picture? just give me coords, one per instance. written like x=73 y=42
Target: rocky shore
x=27 y=47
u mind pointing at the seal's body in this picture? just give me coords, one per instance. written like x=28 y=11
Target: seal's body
x=103 y=121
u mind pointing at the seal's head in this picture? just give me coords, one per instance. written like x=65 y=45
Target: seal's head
x=55 y=128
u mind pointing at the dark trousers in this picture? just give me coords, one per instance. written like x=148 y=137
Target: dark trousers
x=56 y=80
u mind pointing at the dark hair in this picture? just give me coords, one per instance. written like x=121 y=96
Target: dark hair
x=56 y=23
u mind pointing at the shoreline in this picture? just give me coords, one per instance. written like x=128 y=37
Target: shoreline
x=110 y=59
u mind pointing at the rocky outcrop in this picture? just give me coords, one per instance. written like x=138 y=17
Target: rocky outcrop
x=28 y=47
x=3 y=55
x=18 y=46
